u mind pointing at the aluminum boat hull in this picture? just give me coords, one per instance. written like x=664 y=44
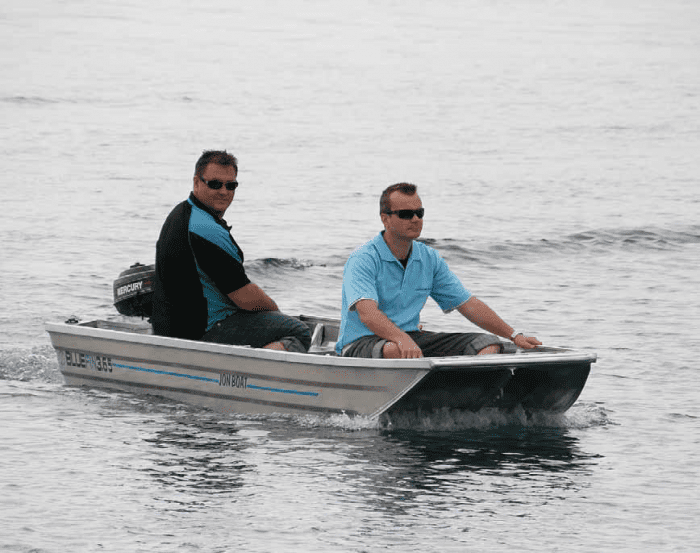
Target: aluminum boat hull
x=126 y=356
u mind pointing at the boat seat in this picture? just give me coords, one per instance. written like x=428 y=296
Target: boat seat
x=319 y=345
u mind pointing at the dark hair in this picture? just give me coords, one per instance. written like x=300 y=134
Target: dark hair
x=403 y=187
x=220 y=157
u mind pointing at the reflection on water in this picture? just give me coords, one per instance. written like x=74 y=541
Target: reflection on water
x=182 y=469
x=202 y=457
x=198 y=457
x=404 y=470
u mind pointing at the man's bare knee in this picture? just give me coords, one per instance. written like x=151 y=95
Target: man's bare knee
x=279 y=346
x=489 y=349
x=390 y=351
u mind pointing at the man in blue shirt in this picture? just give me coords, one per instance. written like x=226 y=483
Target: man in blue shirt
x=387 y=281
x=201 y=290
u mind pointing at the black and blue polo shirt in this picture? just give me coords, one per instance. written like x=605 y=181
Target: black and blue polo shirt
x=198 y=263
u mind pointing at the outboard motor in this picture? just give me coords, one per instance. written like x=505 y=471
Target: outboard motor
x=133 y=291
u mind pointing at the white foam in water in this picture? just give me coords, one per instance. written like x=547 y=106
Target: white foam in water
x=340 y=421
x=447 y=420
x=38 y=363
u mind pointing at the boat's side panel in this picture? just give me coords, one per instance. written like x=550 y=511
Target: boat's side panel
x=229 y=382
x=468 y=389
x=533 y=382
x=552 y=387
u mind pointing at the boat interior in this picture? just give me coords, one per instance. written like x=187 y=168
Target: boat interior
x=324 y=332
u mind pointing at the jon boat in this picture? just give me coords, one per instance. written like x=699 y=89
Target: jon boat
x=125 y=355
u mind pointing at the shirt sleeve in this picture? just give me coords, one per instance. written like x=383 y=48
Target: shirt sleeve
x=225 y=271
x=359 y=280
x=447 y=290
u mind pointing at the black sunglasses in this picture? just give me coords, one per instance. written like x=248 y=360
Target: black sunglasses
x=215 y=184
x=408 y=213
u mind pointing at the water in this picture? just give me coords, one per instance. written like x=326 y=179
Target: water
x=555 y=148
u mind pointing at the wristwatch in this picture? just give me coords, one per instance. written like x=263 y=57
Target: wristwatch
x=512 y=336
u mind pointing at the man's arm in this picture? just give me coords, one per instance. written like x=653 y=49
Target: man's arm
x=401 y=345
x=221 y=264
x=252 y=298
x=483 y=316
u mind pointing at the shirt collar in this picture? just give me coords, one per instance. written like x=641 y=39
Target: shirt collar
x=194 y=201
x=384 y=251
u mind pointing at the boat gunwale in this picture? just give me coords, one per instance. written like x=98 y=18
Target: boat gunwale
x=230 y=350
x=538 y=356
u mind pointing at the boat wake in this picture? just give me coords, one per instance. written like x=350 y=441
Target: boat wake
x=580 y=416
x=450 y=420
x=26 y=365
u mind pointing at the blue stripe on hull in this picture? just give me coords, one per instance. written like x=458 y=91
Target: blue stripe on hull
x=214 y=380
x=280 y=391
x=155 y=371
x=227 y=397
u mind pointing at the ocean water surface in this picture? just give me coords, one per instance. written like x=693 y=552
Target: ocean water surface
x=554 y=144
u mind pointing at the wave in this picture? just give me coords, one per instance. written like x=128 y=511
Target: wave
x=646 y=239
x=599 y=241
x=264 y=265
x=29 y=100
x=38 y=101
x=592 y=241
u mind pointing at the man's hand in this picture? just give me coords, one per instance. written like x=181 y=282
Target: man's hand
x=526 y=342
x=399 y=345
x=403 y=348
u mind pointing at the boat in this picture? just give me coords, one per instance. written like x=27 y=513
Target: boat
x=125 y=355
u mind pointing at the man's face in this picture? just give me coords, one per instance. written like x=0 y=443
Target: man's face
x=403 y=229
x=216 y=200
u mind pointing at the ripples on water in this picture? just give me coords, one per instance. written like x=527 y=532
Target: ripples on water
x=99 y=469
x=555 y=148
x=163 y=476
x=192 y=479
x=188 y=477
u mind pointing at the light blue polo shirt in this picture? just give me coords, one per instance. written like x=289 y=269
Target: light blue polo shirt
x=373 y=272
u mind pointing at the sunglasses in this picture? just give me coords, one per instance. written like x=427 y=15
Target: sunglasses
x=215 y=184
x=407 y=213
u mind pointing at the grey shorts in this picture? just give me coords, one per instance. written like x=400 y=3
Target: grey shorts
x=259 y=328
x=432 y=344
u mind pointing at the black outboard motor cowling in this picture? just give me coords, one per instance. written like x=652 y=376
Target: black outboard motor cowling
x=133 y=291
